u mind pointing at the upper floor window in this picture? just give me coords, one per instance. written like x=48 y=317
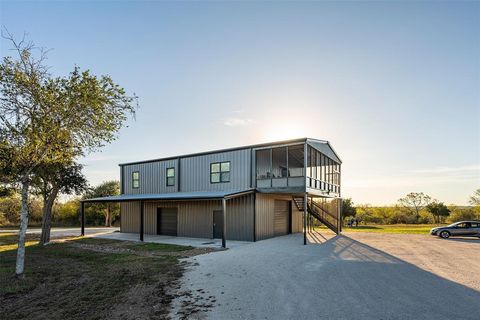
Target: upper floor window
x=219 y=172
x=135 y=179
x=170 y=177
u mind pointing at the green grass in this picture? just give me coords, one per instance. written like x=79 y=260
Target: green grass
x=68 y=280
x=394 y=228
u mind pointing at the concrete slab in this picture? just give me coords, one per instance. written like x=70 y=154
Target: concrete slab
x=182 y=241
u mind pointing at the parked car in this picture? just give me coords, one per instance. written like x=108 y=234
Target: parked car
x=462 y=228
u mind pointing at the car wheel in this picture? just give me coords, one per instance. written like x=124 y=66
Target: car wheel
x=445 y=234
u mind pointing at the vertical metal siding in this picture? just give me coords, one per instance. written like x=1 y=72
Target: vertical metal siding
x=130 y=217
x=195 y=218
x=264 y=219
x=152 y=177
x=240 y=225
x=196 y=171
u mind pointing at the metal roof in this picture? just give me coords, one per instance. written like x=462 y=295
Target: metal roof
x=195 y=195
x=299 y=140
x=325 y=148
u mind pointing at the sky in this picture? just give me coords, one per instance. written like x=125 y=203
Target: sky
x=394 y=86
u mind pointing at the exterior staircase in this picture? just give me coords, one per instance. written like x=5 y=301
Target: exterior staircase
x=320 y=210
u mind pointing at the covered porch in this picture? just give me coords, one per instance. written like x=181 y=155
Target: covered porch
x=223 y=197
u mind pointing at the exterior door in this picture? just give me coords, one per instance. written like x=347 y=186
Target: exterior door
x=281 y=217
x=217 y=224
x=167 y=221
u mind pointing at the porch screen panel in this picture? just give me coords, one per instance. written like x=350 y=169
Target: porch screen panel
x=279 y=162
x=263 y=164
x=295 y=161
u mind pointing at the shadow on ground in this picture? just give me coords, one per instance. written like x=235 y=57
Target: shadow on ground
x=339 y=279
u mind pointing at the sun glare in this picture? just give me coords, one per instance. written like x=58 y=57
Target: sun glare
x=283 y=132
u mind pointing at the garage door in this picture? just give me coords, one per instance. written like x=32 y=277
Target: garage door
x=281 y=217
x=167 y=221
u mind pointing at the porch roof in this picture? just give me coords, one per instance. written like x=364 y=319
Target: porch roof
x=193 y=195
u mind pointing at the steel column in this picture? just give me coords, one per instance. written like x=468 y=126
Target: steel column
x=305 y=197
x=254 y=216
x=82 y=218
x=224 y=224
x=141 y=220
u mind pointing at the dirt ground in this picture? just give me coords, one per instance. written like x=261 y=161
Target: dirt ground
x=92 y=279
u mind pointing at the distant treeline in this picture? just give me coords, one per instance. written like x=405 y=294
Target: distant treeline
x=366 y=214
x=414 y=208
x=64 y=213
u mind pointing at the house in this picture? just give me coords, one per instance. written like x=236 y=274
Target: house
x=245 y=193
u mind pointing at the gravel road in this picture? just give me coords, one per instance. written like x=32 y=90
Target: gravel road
x=352 y=276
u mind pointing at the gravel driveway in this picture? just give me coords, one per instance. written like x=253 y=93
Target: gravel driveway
x=352 y=276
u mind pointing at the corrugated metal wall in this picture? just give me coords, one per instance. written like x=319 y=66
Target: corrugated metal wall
x=129 y=217
x=152 y=177
x=264 y=225
x=195 y=218
x=195 y=171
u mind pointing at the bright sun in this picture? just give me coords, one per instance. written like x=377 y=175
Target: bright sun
x=281 y=131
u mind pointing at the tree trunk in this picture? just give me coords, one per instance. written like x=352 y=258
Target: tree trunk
x=22 y=233
x=47 y=217
x=107 y=216
x=110 y=216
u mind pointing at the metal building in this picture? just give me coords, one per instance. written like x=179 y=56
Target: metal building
x=246 y=193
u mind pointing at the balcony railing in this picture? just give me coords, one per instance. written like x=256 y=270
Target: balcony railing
x=322 y=185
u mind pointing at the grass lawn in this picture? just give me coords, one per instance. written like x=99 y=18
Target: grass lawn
x=89 y=278
x=391 y=228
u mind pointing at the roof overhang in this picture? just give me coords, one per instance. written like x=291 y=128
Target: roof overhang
x=195 y=195
x=325 y=148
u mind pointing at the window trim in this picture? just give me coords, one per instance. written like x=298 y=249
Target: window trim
x=220 y=171
x=133 y=180
x=166 y=177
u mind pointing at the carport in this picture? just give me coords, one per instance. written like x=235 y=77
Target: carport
x=223 y=196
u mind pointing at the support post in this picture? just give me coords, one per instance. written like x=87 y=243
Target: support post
x=224 y=223
x=82 y=218
x=305 y=206
x=141 y=220
x=305 y=196
x=255 y=216
x=340 y=215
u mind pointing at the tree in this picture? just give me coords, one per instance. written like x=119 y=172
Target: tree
x=105 y=189
x=51 y=180
x=414 y=202
x=475 y=199
x=10 y=208
x=438 y=210
x=364 y=212
x=46 y=119
x=348 y=210
x=461 y=214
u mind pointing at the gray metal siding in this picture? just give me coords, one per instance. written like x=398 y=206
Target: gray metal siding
x=195 y=174
x=195 y=218
x=152 y=177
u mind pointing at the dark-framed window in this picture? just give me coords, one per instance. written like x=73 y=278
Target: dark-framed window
x=220 y=172
x=135 y=179
x=170 y=177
